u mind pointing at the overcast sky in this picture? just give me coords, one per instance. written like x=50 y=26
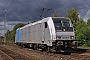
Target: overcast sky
x=22 y=10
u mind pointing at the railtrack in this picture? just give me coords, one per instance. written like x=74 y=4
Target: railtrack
x=13 y=55
x=77 y=54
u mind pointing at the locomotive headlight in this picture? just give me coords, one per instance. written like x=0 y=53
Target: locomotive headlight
x=71 y=37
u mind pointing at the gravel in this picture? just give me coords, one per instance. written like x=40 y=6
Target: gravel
x=79 y=54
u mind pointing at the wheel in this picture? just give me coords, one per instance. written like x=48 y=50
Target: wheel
x=48 y=49
x=22 y=45
x=75 y=47
x=16 y=43
x=30 y=45
x=35 y=46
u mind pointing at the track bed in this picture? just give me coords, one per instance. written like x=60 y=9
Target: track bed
x=79 y=54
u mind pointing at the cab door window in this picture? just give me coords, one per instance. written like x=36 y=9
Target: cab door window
x=46 y=25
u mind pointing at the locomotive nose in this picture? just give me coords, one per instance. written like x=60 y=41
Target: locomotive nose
x=65 y=35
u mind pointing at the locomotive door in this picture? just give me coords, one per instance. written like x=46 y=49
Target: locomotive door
x=42 y=31
x=45 y=33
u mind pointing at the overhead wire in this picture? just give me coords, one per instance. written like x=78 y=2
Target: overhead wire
x=7 y=8
x=58 y=9
x=10 y=5
x=78 y=8
x=5 y=5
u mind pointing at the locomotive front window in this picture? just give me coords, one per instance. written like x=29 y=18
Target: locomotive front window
x=62 y=24
x=66 y=23
x=57 y=23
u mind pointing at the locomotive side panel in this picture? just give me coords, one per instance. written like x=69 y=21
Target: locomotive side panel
x=17 y=39
x=34 y=34
x=31 y=34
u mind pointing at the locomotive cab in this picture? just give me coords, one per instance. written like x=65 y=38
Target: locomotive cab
x=65 y=35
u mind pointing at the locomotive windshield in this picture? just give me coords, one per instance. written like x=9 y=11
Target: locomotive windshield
x=62 y=24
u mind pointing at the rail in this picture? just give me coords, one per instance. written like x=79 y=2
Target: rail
x=13 y=55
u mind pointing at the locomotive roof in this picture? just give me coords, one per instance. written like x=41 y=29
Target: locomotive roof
x=61 y=17
x=37 y=22
x=40 y=21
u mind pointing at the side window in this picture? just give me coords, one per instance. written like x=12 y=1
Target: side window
x=46 y=25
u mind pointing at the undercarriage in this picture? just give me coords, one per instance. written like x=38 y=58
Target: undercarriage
x=63 y=46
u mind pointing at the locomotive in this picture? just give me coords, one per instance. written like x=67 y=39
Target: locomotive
x=53 y=34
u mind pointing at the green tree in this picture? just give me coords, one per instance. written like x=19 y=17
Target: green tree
x=18 y=25
x=80 y=31
x=88 y=22
x=7 y=35
x=10 y=35
x=73 y=15
x=87 y=37
x=55 y=14
x=88 y=32
x=83 y=33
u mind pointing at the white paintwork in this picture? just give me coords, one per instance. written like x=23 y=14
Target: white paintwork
x=37 y=33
